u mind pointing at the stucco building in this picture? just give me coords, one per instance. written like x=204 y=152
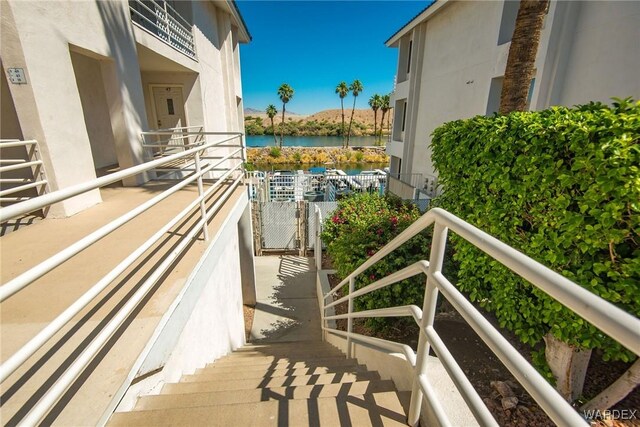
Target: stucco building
x=152 y=274
x=452 y=58
x=84 y=79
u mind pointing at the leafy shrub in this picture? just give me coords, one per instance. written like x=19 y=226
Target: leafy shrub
x=359 y=156
x=274 y=152
x=560 y=185
x=297 y=157
x=253 y=128
x=364 y=223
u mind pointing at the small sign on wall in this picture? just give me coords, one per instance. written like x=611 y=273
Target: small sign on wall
x=16 y=76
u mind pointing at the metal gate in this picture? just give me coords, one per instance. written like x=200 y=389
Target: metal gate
x=279 y=225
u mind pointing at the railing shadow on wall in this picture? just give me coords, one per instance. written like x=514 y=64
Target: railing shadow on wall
x=228 y=169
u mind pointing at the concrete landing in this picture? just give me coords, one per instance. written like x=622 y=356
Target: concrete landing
x=287 y=306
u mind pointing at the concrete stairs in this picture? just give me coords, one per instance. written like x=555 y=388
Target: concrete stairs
x=284 y=384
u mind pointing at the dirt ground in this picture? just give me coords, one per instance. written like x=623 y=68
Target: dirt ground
x=248 y=320
x=482 y=367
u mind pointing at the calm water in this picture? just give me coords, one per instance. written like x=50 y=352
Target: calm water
x=310 y=141
x=349 y=169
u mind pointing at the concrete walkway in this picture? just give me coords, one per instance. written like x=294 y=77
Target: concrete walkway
x=287 y=306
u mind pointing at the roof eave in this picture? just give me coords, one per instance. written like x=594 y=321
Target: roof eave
x=425 y=15
x=243 y=32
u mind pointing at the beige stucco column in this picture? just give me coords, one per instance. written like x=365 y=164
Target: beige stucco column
x=48 y=108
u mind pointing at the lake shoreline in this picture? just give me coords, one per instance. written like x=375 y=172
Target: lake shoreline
x=311 y=141
x=260 y=156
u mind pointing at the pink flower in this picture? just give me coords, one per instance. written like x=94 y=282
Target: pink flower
x=394 y=220
x=372 y=277
x=379 y=231
x=370 y=252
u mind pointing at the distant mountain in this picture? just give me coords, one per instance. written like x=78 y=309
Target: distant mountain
x=255 y=112
x=362 y=116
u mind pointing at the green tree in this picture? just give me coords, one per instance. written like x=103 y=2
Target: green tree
x=375 y=102
x=355 y=88
x=285 y=92
x=385 y=106
x=522 y=55
x=342 y=90
x=271 y=113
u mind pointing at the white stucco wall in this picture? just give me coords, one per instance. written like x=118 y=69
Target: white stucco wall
x=458 y=59
x=40 y=36
x=604 y=58
x=37 y=37
x=204 y=323
x=588 y=52
x=95 y=109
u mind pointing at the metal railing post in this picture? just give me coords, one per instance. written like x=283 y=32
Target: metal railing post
x=436 y=258
x=350 y=320
x=317 y=247
x=203 y=207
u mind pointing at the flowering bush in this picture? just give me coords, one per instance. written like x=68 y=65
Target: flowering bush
x=363 y=224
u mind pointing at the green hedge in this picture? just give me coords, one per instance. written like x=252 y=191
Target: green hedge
x=364 y=223
x=560 y=185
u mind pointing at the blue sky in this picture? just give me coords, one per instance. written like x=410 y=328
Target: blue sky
x=313 y=45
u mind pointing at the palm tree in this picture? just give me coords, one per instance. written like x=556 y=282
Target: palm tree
x=285 y=92
x=385 y=106
x=375 y=102
x=522 y=55
x=355 y=88
x=342 y=90
x=271 y=113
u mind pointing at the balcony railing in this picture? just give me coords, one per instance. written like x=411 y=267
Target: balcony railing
x=163 y=21
x=215 y=152
x=17 y=188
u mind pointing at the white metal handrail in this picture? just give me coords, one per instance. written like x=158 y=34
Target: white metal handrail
x=178 y=137
x=317 y=247
x=613 y=321
x=413 y=179
x=233 y=176
x=31 y=161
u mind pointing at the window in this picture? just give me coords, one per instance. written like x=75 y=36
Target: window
x=495 y=90
x=508 y=22
x=530 y=94
x=404 y=115
x=170 y=110
x=409 y=57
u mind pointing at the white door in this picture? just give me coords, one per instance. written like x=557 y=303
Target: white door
x=169 y=107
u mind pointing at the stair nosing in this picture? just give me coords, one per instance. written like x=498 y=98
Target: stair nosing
x=385 y=385
x=394 y=391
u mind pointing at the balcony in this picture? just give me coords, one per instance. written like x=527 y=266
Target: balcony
x=164 y=22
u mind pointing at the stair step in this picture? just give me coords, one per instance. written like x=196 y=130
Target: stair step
x=283 y=344
x=197 y=384
x=383 y=408
x=262 y=358
x=183 y=397
x=301 y=354
x=215 y=374
x=286 y=345
x=265 y=363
